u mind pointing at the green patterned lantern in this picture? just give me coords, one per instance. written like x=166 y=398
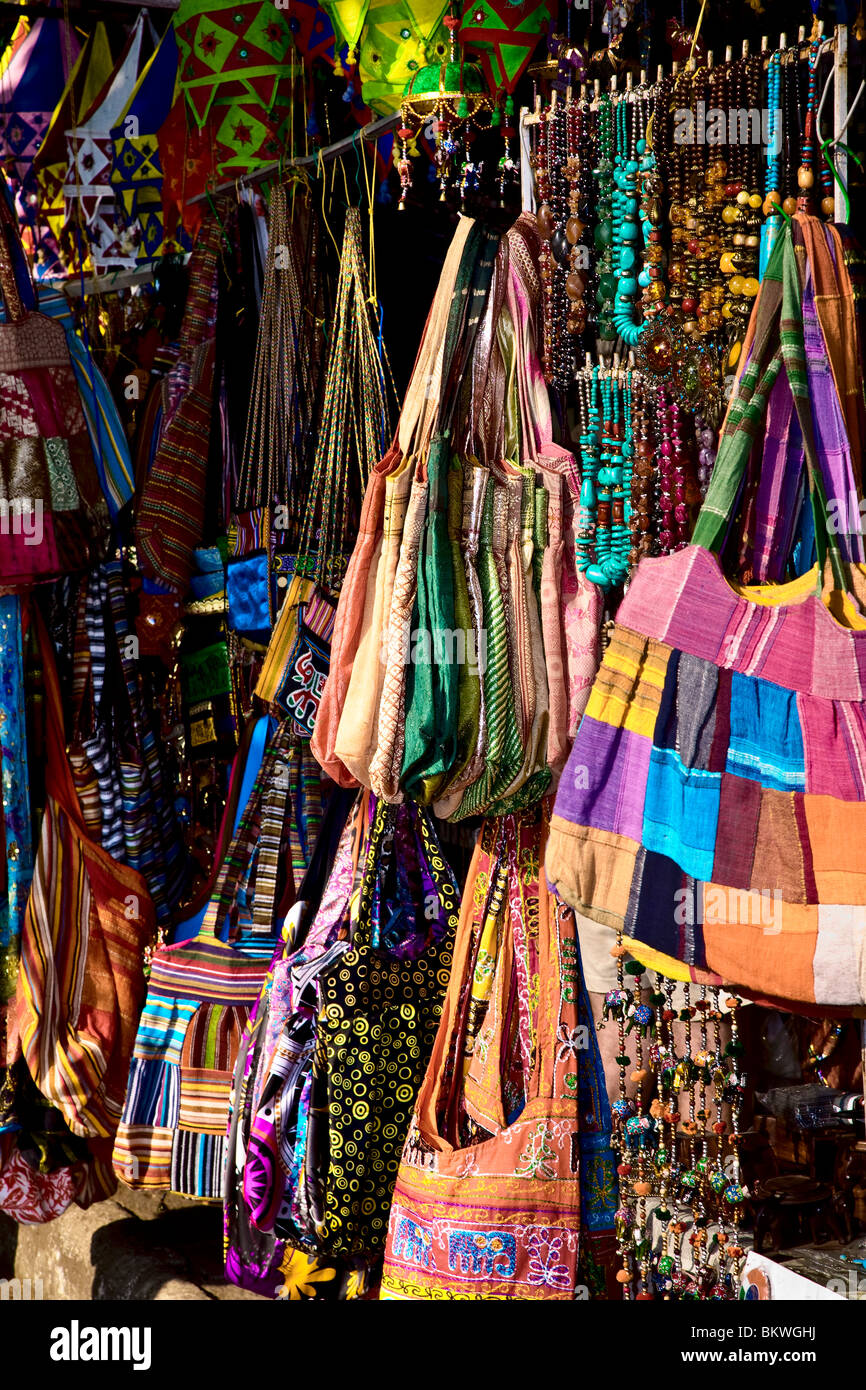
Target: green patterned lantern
x=453 y=95
x=505 y=35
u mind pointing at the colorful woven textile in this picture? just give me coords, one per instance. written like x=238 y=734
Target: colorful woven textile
x=104 y=426
x=174 y=1120
x=715 y=799
x=58 y=518
x=487 y=1201
x=17 y=840
x=81 y=981
x=136 y=169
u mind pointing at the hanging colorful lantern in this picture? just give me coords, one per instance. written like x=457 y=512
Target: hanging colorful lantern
x=453 y=96
x=399 y=40
x=136 y=172
x=87 y=82
x=36 y=67
x=236 y=72
x=505 y=36
x=95 y=227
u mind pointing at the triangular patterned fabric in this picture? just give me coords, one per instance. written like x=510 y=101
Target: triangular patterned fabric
x=87 y=82
x=90 y=197
x=36 y=67
x=312 y=31
x=225 y=42
x=505 y=36
x=136 y=171
x=399 y=38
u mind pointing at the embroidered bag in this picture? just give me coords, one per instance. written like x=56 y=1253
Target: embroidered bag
x=487 y=1202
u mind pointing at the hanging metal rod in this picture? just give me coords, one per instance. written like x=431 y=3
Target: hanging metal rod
x=364 y=132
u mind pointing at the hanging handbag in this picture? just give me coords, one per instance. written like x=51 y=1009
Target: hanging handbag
x=387 y=763
x=366 y=988
x=345 y=738
x=173 y=1131
x=55 y=517
x=81 y=978
x=255 y=1257
x=712 y=807
x=487 y=1201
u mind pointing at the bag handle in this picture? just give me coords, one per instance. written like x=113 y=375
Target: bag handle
x=59 y=783
x=228 y=878
x=16 y=281
x=778 y=300
x=422 y=397
x=523 y=838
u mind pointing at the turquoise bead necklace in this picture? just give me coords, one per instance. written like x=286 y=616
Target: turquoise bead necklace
x=607 y=462
x=626 y=228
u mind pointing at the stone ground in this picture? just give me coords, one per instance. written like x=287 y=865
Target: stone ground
x=137 y=1245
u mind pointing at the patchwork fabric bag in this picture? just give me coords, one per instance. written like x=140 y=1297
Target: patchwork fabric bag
x=488 y=1197
x=714 y=805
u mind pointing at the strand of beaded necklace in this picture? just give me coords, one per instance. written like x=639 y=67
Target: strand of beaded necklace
x=665 y=532
x=575 y=227
x=691 y=248
x=651 y=277
x=622 y=489
x=562 y=345
x=545 y=223
x=586 y=206
x=661 y=1053
x=677 y=212
x=640 y=520
x=734 y=1194
x=626 y=229
x=806 y=172
x=616 y=1004
x=604 y=227
x=587 y=383
x=772 y=202
x=794 y=122
x=600 y=572
x=605 y=477
x=717 y=1179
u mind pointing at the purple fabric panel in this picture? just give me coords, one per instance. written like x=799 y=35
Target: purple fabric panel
x=831 y=439
x=604 y=781
x=834 y=740
x=836 y=654
x=781 y=471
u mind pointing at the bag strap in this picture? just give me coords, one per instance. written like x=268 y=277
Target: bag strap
x=777 y=345
x=245 y=838
x=422 y=398
x=16 y=282
x=59 y=783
